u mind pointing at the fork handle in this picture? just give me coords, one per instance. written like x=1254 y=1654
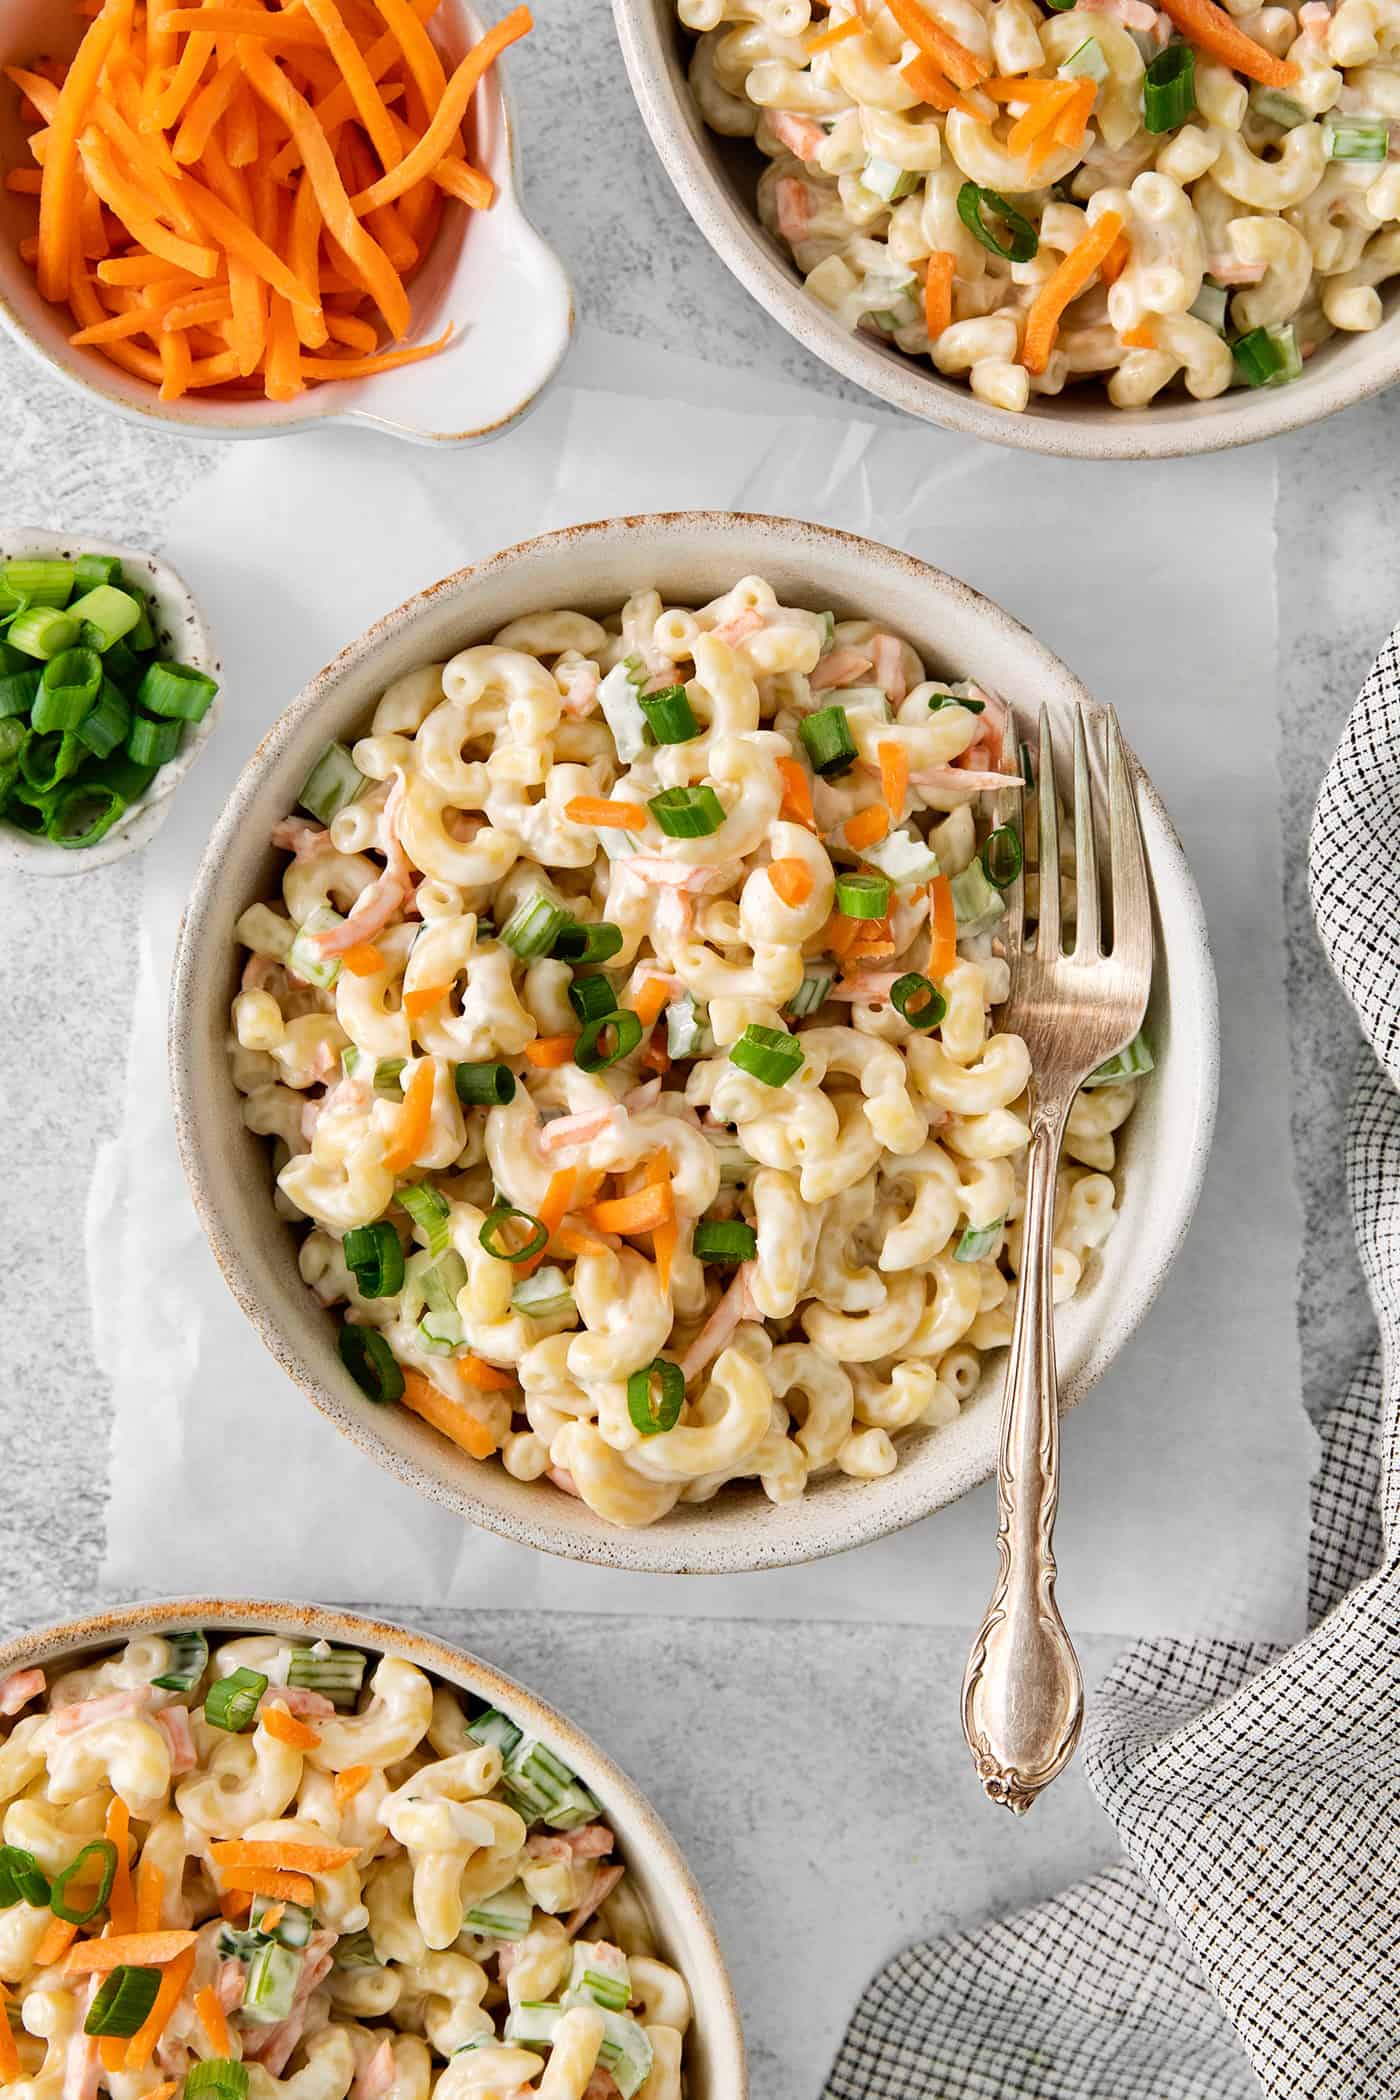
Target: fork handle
x=1023 y=1697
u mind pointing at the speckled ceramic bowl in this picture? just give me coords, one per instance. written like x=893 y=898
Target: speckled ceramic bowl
x=689 y=557
x=717 y=181
x=685 y=1934
x=184 y=636
x=488 y=272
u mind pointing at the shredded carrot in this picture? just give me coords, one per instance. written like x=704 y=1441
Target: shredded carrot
x=620 y=816
x=286 y=1728
x=930 y=84
x=121 y=1903
x=163 y=2091
x=150 y=1950
x=418 y=1003
x=235 y=1904
x=1065 y=282
x=141 y=2047
x=792 y=879
x=58 y=202
x=558 y=1200
x=271 y=1917
x=1210 y=28
x=211 y=2015
x=438 y=140
x=665 y=1237
x=487 y=1378
x=25 y=182
x=1071 y=122
x=1017 y=87
x=150 y=1891
x=549 y=1051
x=962 y=66
x=797 y=794
x=363 y=960
x=267 y=1881
x=111 y=2052
x=415 y=1120
x=1039 y=117
x=649 y=999
x=642 y=1211
x=282 y=1855
x=938 y=292
x=347 y=1784
x=59 y=1936
x=1139 y=338
x=866 y=826
x=837 y=34
x=358 y=79
x=240 y=21
x=11 y=2069
x=1115 y=262
x=449 y=1416
x=894 y=777
x=943 y=919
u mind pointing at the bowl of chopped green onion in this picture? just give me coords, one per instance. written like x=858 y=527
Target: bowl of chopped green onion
x=109 y=688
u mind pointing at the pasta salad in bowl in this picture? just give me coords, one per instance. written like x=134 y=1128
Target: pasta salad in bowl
x=621 y=1016
x=261 y=1850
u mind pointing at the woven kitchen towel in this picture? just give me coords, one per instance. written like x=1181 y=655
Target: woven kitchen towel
x=1256 y=1791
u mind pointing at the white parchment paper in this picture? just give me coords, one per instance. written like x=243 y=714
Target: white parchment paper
x=1185 y=1506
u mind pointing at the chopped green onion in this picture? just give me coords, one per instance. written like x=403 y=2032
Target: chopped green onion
x=1002 y=857
x=863 y=896
x=431 y=1213
x=384 y=1073
x=43 y=583
x=143 y=634
x=826 y=736
x=769 y=1054
x=306 y=959
x=218 y=2078
x=687 y=812
x=106 y=725
x=626 y=2051
x=46 y=760
x=269 y=1989
x=938 y=701
x=584 y=944
x=123 y=2000
x=978 y=1241
x=23 y=1880
x=617 y=697
x=1169 y=88
x=234 y=1945
x=484 y=1085
x=1021 y=239
x=442 y=1282
x=917 y=1001
x=90 y=570
x=83 y=813
x=532 y=926
x=231 y=1702
x=177 y=691
x=333 y=783
x=1276 y=108
x=687 y=1028
x=374 y=1257
x=976 y=905
x=68 y=686
x=370 y=1361
x=294 y=1926
x=724 y=1240
x=533 y=2025
x=1131 y=1063
x=670 y=716
x=490 y=1234
x=544 y=1295
x=591 y=1051
x=1356 y=138
x=599 y=1976
x=339 y=1675
x=812 y=992
x=655 y=1397
x=1210 y=305
x=355 y=1950
x=44 y=631
x=153 y=743
x=1086 y=62
x=886 y=179
x=635 y=667
x=908 y=860
x=188 y=1660
x=592 y=998
x=542 y=1781
x=496 y=1728
x=1268 y=356
x=79 y=1870
x=107 y=616
x=506 y=1916
x=18 y=690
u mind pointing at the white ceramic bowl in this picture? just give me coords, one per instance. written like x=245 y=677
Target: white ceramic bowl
x=685 y=1933
x=717 y=180
x=689 y=557
x=184 y=636
x=488 y=272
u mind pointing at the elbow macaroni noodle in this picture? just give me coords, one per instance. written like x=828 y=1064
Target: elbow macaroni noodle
x=443 y=1951
x=1258 y=197
x=881 y=1181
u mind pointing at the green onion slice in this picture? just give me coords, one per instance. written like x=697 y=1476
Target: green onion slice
x=432 y=1214
x=81 y=1869
x=217 y=2077
x=89 y=570
x=1021 y=239
x=68 y=687
x=1002 y=857
x=43 y=631
x=687 y=812
x=863 y=896
x=607 y=1041
x=918 y=1001
x=21 y=1879
x=1352 y=138
x=485 y=1085
x=123 y=2001
x=1169 y=88
x=106 y=725
x=189 y=1659
x=724 y=1240
x=177 y=691
x=1132 y=1063
x=82 y=814
x=232 y=1701
x=151 y=742
x=827 y=738
x=585 y=944
x=333 y=783
x=670 y=716
x=18 y=692
x=592 y=998
x=107 y=615
x=340 y=1675
x=938 y=701
x=374 y=1257
x=769 y=1054
x=370 y=1361
x=42 y=582
x=496 y=1223
x=1268 y=356
x=978 y=1241
x=655 y=1397
x=533 y=926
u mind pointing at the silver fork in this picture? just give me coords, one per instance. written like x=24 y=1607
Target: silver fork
x=1023 y=1698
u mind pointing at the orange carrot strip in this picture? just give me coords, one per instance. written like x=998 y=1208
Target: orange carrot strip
x=58 y=1937
x=150 y=1950
x=366 y=367
x=620 y=816
x=358 y=335
x=150 y=1892
x=422 y=1002
x=25 y=182
x=304 y=250
x=1209 y=27
x=58 y=201
x=414 y=1120
x=943 y=918
x=929 y=84
x=142 y=271
x=285 y=1728
x=454 y=1421
x=1115 y=262
x=549 y=1051
x=415 y=49
x=454 y=175
x=1139 y=338
x=1016 y=87
x=642 y=1211
x=138 y=320
x=176 y=365
x=39 y=92
x=792 y=879
x=1039 y=117
x=1069 y=126
x=338 y=106
x=837 y=34
x=649 y=999
x=243 y=129
x=209 y=310
x=665 y=1238
x=121 y=1903
x=267 y=1881
x=162 y=2091
x=171 y=102
x=486 y=1378
x=369 y=103
x=141 y=2047
x=249 y=336
x=243 y=244
x=866 y=826
x=962 y=66
x=111 y=2052
x=242 y=21
x=205 y=112
x=437 y=140
x=894 y=778
x=574 y=1241
x=1065 y=282
x=558 y=1201
x=363 y=960
x=133 y=209
x=211 y=2015
x=11 y=2069
x=348 y=1783
x=271 y=1917
x=797 y=794
x=938 y=292
x=234 y=1904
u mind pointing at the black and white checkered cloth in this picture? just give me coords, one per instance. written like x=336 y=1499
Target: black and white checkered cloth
x=1254 y=1940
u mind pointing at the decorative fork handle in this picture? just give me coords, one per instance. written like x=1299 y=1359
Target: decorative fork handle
x=1023 y=1697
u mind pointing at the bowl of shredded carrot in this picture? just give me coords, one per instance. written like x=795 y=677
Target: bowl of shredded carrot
x=242 y=219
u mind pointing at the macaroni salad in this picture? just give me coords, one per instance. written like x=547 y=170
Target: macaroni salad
x=245 y=1873
x=1036 y=194
x=623 y=1029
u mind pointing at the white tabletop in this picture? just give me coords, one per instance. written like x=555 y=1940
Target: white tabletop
x=814 y=1774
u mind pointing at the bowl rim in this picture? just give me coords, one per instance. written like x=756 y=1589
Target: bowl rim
x=140 y=822
x=1099 y=433
x=659 y=1548
x=204 y=419
x=63 y=1639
